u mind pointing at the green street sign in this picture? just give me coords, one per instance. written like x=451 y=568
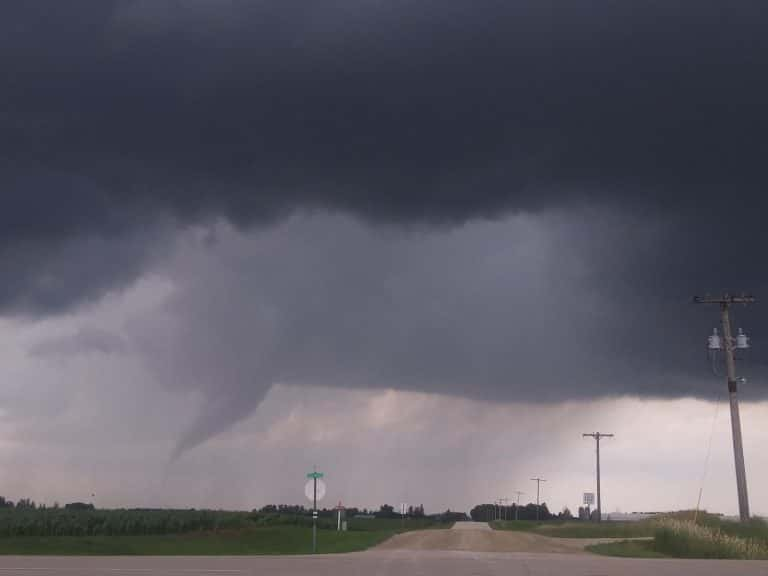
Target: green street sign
x=315 y=475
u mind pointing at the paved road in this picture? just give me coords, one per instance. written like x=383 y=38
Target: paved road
x=383 y=561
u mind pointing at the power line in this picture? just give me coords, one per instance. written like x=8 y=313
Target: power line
x=706 y=459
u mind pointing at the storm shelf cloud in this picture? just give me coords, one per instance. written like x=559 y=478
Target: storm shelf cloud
x=489 y=199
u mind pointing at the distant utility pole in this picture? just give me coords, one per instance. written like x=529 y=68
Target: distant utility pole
x=517 y=508
x=741 y=342
x=597 y=436
x=505 y=508
x=538 y=486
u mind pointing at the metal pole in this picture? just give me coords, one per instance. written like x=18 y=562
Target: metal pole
x=738 y=449
x=517 y=508
x=314 y=518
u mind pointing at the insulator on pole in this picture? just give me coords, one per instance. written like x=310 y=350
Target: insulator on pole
x=714 y=341
x=742 y=340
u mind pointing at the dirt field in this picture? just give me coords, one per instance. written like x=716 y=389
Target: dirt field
x=479 y=537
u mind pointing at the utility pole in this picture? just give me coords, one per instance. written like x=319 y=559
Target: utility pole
x=597 y=436
x=505 y=508
x=517 y=508
x=730 y=363
x=538 y=486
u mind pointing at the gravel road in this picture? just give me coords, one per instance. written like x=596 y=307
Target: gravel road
x=479 y=537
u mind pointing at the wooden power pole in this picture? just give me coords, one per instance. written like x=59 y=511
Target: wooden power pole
x=597 y=436
x=725 y=303
x=538 y=486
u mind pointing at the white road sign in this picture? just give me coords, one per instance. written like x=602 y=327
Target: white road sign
x=309 y=489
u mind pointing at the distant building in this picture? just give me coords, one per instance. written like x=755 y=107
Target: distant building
x=630 y=516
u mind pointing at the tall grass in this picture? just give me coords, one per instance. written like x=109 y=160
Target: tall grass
x=684 y=539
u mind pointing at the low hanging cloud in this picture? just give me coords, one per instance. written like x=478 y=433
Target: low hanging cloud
x=508 y=311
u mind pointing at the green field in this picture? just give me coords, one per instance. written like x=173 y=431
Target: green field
x=580 y=529
x=160 y=533
x=395 y=524
x=271 y=540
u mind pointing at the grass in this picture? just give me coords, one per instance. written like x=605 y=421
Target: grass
x=676 y=535
x=270 y=540
x=684 y=539
x=516 y=525
x=581 y=529
x=627 y=549
x=395 y=524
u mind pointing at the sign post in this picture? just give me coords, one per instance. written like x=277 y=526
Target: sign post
x=314 y=490
x=589 y=499
x=339 y=511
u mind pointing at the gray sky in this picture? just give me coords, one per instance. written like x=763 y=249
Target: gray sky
x=399 y=357
x=218 y=214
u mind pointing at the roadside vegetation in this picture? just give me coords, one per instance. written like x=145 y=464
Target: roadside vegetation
x=683 y=534
x=678 y=536
x=580 y=529
x=712 y=539
x=79 y=528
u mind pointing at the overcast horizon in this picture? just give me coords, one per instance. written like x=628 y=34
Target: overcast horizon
x=423 y=246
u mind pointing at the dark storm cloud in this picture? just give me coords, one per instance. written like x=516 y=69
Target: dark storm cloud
x=115 y=113
x=511 y=311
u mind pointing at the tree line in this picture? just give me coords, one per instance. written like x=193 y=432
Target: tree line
x=384 y=511
x=490 y=512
